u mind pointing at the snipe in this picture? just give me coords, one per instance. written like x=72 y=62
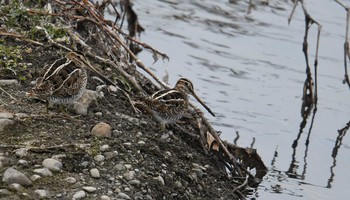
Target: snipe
x=62 y=82
x=170 y=105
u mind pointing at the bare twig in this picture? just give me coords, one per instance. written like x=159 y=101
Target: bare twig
x=21 y=37
x=9 y=94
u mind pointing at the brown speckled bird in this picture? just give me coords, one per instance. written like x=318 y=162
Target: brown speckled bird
x=170 y=105
x=62 y=82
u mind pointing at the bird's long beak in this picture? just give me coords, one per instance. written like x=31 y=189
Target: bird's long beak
x=203 y=104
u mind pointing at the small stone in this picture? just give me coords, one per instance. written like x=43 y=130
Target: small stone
x=94 y=173
x=22 y=162
x=70 y=180
x=104 y=147
x=98 y=114
x=89 y=189
x=127 y=189
x=84 y=164
x=1 y=164
x=99 y=158
x=123 y=196
x=42 y=194
x=104 y=197
x=43 y=172
x=128 y=166
x=141 y=142
x=102 y=130
x=112 y=88
x=16 y=187
x=168 y=154
x=160 y=179
x=110 y=155
x=135 y=182
x=79 y=108
x=79 y=195
x=52 y=164
x=119 y=167
x=5 y=122
x=127 y=144
x=13 y=176
x=139 y=134
x=198 y=172
x=35 y=177
x=129 y=175
x=21 y=152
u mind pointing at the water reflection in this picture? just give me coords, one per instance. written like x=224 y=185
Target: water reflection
x=337 y=145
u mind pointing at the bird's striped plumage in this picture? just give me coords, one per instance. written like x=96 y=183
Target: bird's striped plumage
x=62 y=82
x=170 y=105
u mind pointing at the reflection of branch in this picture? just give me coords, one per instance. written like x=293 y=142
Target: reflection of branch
x=307 y=143
x=293 y=166
x=338 y=142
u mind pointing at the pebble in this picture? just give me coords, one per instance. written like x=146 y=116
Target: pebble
x=119 y=167
x=104 y=147
x=84 y=164
x=52 y=164
x=13 y=176
x=42 y=193
x=22 y=162
x=5 y=122
x=128 y=166
x=99 y=158
x=141 y=142
x=35 y=177
x=122 y=195
x=79 y=195
x=16 y=187
x=127 y=144
x=21 y=152
x=1 y=165
x=89 y=189
x=129 y=175
x=104 y=197
x=98 y=114
x=198 y=172
x=110 y=154
x=8 y=82
x=112 y=88
x=79 y=108
x=70 y=180
x=160 y=179
x=94 y=173
x=102 y=130
x=43 y=172
x=139 y=134
x=134 y=182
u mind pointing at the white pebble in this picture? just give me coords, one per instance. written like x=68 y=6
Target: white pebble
x=99 y=158
x=43 y=172
x=94 y=173
x=52 y=164
x=89 y=189
x=79 y=195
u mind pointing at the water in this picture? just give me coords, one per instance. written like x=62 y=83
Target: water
x=250 y=70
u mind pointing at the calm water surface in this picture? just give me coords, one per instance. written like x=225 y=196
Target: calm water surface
x=250 y=70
